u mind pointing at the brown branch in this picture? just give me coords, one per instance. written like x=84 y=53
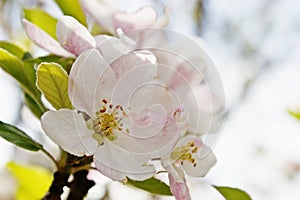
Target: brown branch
x=56 y=189
x=80 y=186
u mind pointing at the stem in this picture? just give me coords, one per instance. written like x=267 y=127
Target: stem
x=51 y=157
x=63 y=158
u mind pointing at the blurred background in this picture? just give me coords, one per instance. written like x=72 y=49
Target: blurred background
x=255 y=45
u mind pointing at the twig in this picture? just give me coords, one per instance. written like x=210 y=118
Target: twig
x=51 y=157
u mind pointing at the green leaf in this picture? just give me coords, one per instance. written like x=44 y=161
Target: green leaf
x=23 y=73
x=66 y=63
x=35 y=109
x=295 y=114
x=72 y=8
x=33 y=181
x=16 y=136
x=14 y=66
x=232 y=193
x=42 y=19
x=152 y=185
x=52 y=80
x=15 y=50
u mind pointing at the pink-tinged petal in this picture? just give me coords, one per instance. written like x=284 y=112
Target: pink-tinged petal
x=205 y=159
x=68 y=129
x=44 y=40
x=135 y=72
x=90 y=81
x=176 y=172
x=73 y=36
x=177 y=72
x=154 y=145
x=179 y=189
x=142 y=18
x=205 y=110
x=177 y=179
x=151 y=96
x=117 y=163
x=112 y=47
x=208 y=101
x=100 y=12
x=130 y=61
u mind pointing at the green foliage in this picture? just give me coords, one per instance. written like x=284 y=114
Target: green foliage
x=15 y=67
x=152 y=185
x=14 y=50
x=42 y=19
x=52 y=80
x=16 y=136
x=66 y=63
x=294 y=114
x=33 y=181
x=24 y=73
x=35 y=109
x=72 y=8
x=232 y=193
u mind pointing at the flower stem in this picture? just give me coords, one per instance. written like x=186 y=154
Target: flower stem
x=51 y=157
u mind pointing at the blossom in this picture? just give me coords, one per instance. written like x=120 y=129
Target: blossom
x=73 y=37
x=189 y=155
x=110 y=19
x=116 y=119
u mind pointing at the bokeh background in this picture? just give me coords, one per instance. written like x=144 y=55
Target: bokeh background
x=255 y=45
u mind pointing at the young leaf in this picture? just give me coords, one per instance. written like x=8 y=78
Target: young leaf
x=42 y=19
x=75 y=10
x=294 y=114
x=152 y=185
x=12 y=65
x=14 y=135
x=14 y=49
x=35 y=109
x=66 y=63
x=33 y=181
x=232 y=193
x=23 y=73
x=52 y=80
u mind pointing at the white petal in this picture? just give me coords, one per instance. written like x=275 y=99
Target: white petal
x=43 y=40
x=205 y=160
x=117 y=164
x=68 y=129
x=90 y=81
x=142 y=18
x=112 y=48
x=129 y=61
x=205 y=110
x=134 y=71
x=73 y=36
x=100 y=12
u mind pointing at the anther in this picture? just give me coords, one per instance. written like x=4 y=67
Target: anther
x=104 y=101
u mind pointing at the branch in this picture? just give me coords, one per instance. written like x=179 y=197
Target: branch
x=80 y=186
x=56 y=189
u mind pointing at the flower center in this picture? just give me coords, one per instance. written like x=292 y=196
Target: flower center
x=185 y=152
x=109 y=120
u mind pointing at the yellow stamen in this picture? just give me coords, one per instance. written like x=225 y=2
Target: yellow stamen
x=109 y=119
x=185 y=153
